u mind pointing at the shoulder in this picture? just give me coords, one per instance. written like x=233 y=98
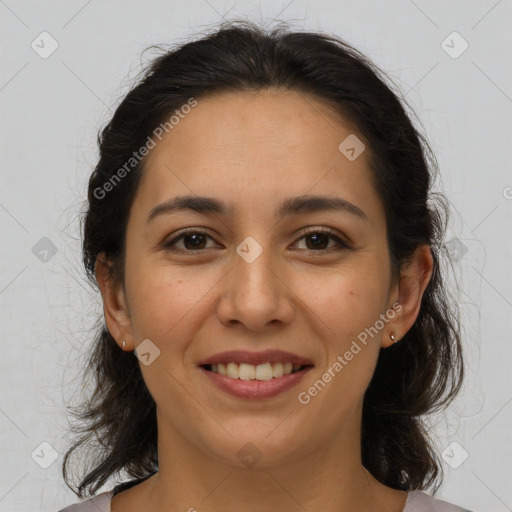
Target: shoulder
x=99 y=503
x=418 y=501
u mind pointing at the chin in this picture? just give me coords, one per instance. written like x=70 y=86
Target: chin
x=262 y=448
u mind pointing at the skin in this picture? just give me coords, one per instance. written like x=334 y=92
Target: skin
x=253 y=150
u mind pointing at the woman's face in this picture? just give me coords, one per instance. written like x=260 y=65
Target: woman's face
x=258 y=276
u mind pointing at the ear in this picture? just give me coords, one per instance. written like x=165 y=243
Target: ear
x=413 y=280
x=115 y=306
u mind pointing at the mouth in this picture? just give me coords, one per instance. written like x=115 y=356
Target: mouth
x=261 y=372
x=255 y=375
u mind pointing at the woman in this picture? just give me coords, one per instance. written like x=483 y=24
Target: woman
x=261 y=227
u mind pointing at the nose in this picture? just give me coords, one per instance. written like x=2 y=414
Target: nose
x=255 y=294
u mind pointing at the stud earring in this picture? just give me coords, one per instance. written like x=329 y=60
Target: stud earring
x=393 y=337
x=124 y=344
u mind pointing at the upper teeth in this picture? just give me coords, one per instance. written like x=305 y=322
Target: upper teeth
x=244 y=371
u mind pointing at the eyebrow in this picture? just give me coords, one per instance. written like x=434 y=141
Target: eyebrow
x=291 y=206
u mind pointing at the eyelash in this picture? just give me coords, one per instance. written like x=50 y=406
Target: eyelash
x=342 y=245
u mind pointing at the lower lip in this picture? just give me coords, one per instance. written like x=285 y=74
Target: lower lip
x=255 y=388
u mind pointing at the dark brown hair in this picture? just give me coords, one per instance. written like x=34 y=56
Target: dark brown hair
x=420 y=374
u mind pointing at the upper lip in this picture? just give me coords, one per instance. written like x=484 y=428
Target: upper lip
x=266 y=356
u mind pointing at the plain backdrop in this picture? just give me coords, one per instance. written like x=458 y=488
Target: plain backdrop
x=452 y=62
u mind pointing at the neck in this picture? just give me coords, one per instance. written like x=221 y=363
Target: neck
x=329 y=477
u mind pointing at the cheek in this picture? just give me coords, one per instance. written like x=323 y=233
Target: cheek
x=346 y=302
x=166 y=305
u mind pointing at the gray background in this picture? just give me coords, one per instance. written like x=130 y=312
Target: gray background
x=52 y=108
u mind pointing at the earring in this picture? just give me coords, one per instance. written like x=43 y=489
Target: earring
x=124 y=344
x=393 y=337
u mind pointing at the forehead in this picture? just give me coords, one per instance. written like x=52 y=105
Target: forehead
x=284 y=122
x=268 y=143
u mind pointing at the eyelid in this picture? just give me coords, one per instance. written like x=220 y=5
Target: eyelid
x=342 y=241
x=184 y=232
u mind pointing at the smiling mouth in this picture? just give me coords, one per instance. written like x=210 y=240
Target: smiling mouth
x=245 y=371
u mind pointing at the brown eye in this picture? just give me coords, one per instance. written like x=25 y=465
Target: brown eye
x=194 y=241
x=319 y=240
x=191 y=240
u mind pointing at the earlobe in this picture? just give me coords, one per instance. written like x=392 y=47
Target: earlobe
x=413 y=280
x=117 y=315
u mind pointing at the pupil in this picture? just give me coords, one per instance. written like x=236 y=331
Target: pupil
x=197 y=240
x=320 y=240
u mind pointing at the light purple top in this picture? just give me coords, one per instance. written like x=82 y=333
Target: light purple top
x=417 y=501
